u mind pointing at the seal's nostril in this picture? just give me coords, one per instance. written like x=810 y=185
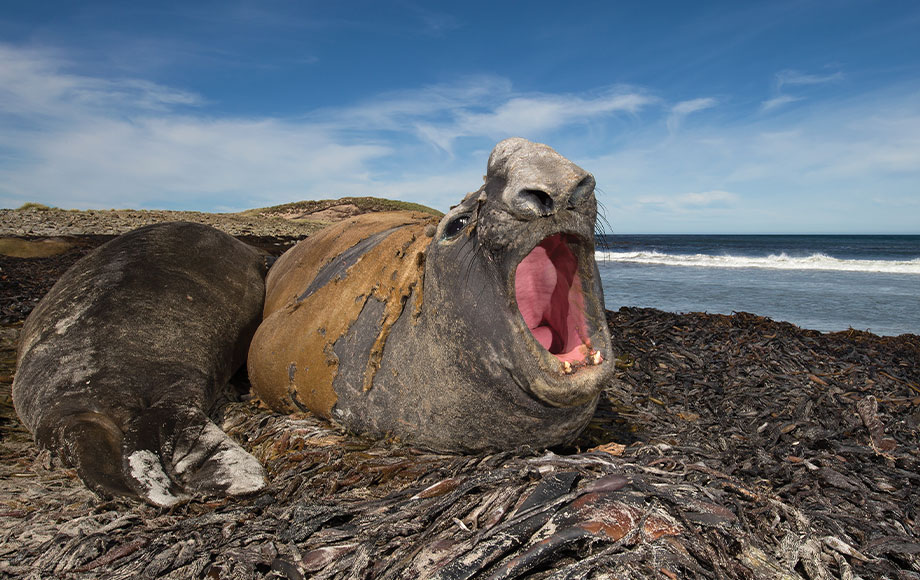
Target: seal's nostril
x=582 y=191
x=537 y=200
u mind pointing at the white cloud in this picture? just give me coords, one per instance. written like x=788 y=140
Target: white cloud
x=82 y=141
x=792 y=77
x=777 y=102
x=684 y=108
x=818 y=171
x=398 y=110
x=908 y=203
x=692 y=106
x=478 y=106
x=707 y=199
x=34 y=83
x=691 y=202
x=528 y=116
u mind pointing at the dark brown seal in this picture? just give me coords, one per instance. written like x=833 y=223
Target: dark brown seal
x=121 y=362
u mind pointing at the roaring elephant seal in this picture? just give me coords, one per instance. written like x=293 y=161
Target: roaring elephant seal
x=484 y=330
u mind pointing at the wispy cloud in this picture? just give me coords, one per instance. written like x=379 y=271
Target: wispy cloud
x=434 y=23
x=77 y=140
x=34 y=82
x=684 y=108
x=777 y=102
x=691 y=202
x=531 y=115
x=82 y=141
x=707 y=199
x=846 y=167
x=908 y=203
x=479 y=106
x=402 y=110
x=90 y=142
x=792 y=77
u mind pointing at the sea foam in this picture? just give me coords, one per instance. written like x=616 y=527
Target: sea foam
x=781 y=261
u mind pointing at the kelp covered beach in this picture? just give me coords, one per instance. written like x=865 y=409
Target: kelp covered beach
x=726 y=447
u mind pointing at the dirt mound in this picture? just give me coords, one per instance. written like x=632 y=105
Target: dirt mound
x=298 y=219
x=326 y=211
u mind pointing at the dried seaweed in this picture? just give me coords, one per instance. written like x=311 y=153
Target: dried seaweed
x=727 y=447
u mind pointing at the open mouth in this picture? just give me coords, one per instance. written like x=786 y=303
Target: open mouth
x=549 y=294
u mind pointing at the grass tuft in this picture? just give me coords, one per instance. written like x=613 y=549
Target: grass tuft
x=33 y=206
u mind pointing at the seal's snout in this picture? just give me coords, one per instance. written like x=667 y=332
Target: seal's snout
x=533 y=181
x=543 y=201
x=549 y=295
x=583 y=192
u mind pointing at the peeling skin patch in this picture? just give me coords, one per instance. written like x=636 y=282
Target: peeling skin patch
x=154 y=483
x=298 y=267
x=303 y=331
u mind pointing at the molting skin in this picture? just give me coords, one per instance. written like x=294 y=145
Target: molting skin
x=484 y=332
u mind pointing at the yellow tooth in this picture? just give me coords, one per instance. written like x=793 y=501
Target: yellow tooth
x=596 y=358
x=567 y=367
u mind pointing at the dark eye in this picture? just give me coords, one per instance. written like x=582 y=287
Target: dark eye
x=455 y=226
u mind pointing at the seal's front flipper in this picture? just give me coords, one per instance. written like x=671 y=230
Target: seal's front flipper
x=172 y=453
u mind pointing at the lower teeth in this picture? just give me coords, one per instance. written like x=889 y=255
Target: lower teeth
x=594 y=358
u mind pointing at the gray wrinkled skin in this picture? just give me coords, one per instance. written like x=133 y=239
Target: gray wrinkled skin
x=467 y=375
x=120 y=362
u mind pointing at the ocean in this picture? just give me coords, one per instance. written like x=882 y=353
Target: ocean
x=825 y=283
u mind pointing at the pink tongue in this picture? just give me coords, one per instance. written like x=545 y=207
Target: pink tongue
x=548 y=292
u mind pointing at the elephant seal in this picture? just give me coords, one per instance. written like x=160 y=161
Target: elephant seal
x=484 y=331
x=479 y=331
x=121 y=361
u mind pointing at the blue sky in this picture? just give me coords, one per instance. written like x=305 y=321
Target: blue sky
x=716 y=117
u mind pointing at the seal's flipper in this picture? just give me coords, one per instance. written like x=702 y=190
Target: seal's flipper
x=171 y=453
x=165 y=455
x=211 y=462
x=91 y=443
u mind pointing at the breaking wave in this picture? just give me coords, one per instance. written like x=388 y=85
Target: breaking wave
x=773 y=262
